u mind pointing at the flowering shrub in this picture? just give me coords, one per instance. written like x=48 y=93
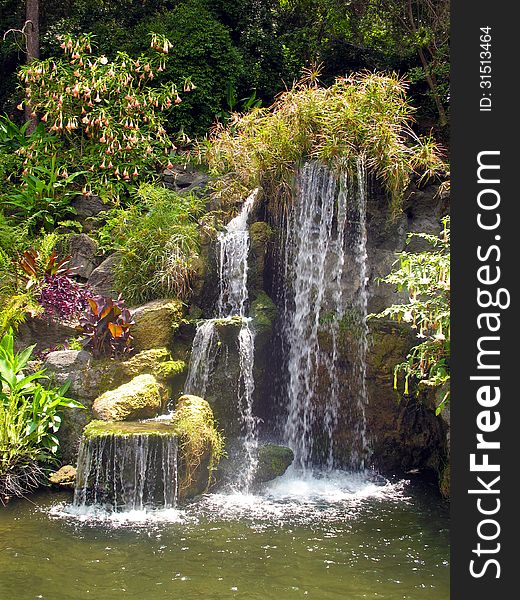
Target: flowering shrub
x=106 y=113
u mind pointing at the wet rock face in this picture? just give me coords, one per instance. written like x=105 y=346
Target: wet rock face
x=402 y=435
x=273 y=461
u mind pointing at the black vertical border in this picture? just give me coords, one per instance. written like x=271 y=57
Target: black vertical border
x=473 y=131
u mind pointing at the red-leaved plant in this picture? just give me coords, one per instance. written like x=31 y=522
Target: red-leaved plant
x=60 y=296
x=106 y=325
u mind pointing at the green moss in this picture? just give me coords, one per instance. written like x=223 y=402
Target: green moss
x=96 y=429
x=273 y=461
x=263 y=311
x=200 y=440
x=445 y=481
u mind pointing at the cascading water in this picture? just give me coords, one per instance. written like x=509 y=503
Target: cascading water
x=233 y=251
x=324 y=257
x=127 y=472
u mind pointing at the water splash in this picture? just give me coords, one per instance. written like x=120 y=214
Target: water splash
x=127 y=472
x=324 y=291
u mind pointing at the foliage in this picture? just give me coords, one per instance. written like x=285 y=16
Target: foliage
x=364 y=115
x=156 y=247
x=62 y=297
x=195 y=425
x=203 y=51
x=107 y=114
x=29 y=419
x=106 y=326
x=426 y=277
x=44 y=195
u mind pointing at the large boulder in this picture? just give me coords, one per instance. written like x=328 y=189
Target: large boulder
x=101 y=280
x=83 y=250
x=184 y=179
x=273 y=461
x=201 y=445
x=44 y=333
x=141 y=398
x=155 y=323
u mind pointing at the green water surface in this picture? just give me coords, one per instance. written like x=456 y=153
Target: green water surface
x=393 y=545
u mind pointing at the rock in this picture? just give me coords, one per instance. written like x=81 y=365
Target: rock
x=184 y=179
x=273 y=461
x=141 y=398
x=156 y=323
x=82 y=250
x=264 y=312
x=260 y=234
x=201 y=445
x=64 y=477
x=128 y=465
x=87 y=208
x=101 y=280
x=156 y=361
x=44 y=333
x=92 y=377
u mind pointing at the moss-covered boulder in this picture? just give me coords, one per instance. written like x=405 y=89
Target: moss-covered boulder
x=273 y=461
x=156 y=323
x=90 y=377
x=142 y=397
x=201 y=445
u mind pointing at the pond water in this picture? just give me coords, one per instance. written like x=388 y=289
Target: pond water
x=336 y=536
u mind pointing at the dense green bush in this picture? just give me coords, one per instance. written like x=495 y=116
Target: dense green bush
x=366 y=115
x=157 y=245
x=202 y=50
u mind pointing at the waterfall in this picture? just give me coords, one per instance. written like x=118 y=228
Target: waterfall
x=246 y=349
x=324 y=257
x=233 y=244
x=127 y=472
x=233 y=252
x=203 y=355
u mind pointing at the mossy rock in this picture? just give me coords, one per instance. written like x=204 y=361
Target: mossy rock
x=273 y=461
x=201 y=445
x=97 y=429
x=64 y=478
x=156 y=323
x=141 y=398
x=260 y=234
x=156 y=361
x=264 y=312
x=445 y=481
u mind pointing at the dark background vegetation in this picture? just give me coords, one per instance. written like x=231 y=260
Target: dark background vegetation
x=236 y=50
